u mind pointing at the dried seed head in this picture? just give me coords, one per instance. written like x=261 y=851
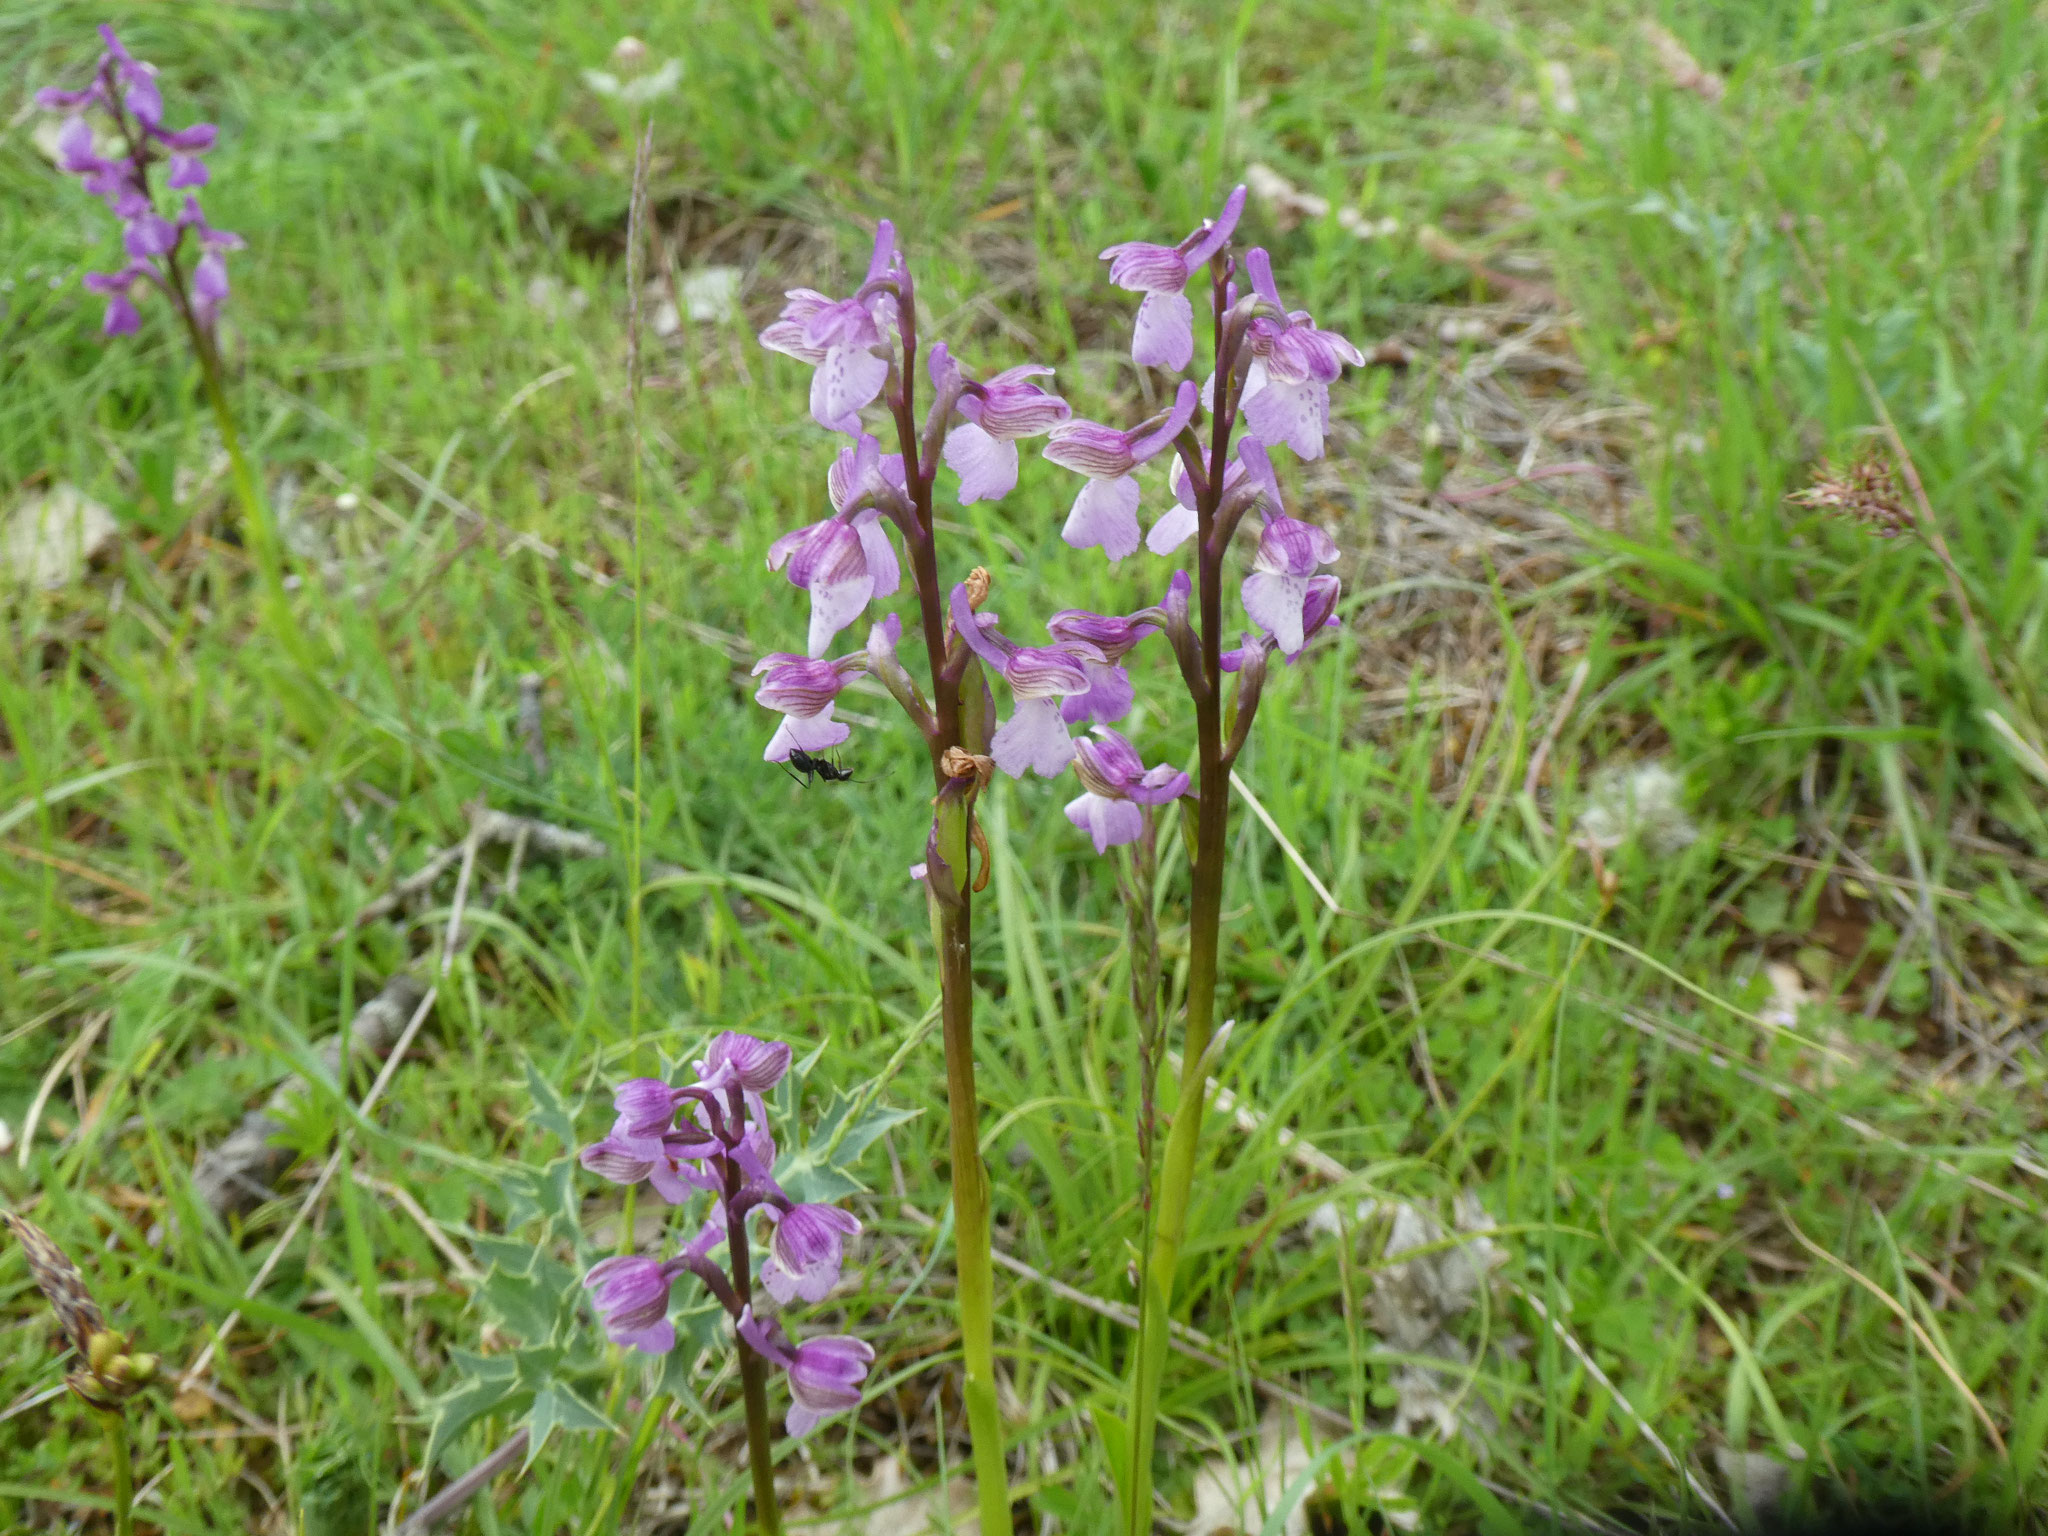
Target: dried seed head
x=1866 y=492
x=978 y=581
x=60 y=1282
x=109 y=1373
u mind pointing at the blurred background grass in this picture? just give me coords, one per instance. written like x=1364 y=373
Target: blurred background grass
x=1571 y=257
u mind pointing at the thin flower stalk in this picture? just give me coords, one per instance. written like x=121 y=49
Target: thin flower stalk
x=711 y=1136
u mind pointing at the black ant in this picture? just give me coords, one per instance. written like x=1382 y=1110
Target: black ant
x=805 y=764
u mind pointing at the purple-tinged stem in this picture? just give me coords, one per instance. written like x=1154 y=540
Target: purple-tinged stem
x=954 y=931
x=753 y=1369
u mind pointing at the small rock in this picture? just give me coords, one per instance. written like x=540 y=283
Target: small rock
x=50 y=537
x=1754 y=1479
x=711 y=294
x=549 y=296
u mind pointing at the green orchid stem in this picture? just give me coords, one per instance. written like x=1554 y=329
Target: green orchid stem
x=971 y=1238
x=760 y=1446
x=258 y=527
x=124 y=1474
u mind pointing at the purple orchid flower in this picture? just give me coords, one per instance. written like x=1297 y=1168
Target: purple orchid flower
x=122 y=318
x=803 y=690
x=842 y=339
x=1283 y=592
x=631 y=1294
x=1109 y=694
x=1164 y=335
x=742 y=1061
x=1034 y=737
x=1105 y=513
x=807 y=1251
x=846 y=561
x=1117 y=784
x=1318 y=613
x=210 y=273
x=982 y=450
x=1287 y=387
x=825 y=1375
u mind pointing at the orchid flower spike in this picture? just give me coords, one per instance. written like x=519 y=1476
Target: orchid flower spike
x=1117 y=784
x=845 y=340
x=125 y=89
x=1164 y=336
x=1105 y=513
x=1034 y=737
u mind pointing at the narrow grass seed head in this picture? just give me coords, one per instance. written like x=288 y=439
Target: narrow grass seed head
x=109 y=1373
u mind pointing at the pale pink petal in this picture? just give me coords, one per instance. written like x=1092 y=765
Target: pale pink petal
x=1110 y=823
x=1035 y=738
x=1105 y=517
x=1294 y=414
x=1275 y=601
x=805 y=733
x=881 y=555
x=1174 y=528
x=835 y=603
x=1164 y=336
x=987 y=466
x=846 y=380
x=1108 y=698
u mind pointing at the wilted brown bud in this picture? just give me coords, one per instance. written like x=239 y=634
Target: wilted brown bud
x=1866 y=493
x=958 y=763
x=978 y=581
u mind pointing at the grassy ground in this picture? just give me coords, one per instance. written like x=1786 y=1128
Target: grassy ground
x=1787 y=1211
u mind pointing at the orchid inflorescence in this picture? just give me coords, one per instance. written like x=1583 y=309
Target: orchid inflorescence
x=124 y=90
x=863 y=348
x=711 y=1136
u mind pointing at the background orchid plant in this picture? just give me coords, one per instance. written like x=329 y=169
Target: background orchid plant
x=1268 y=386
x=181 y=257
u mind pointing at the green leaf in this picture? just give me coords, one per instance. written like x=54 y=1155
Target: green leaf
x=822 y=1171
x=490 y=1384
x=550 y=1113
x=1115 y=1435
x=560 y=1406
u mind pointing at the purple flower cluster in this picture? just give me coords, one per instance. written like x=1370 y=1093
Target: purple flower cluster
x=124 y=92
x=712 y=1136
x=863 y=350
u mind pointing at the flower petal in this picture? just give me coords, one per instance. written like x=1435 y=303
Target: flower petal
x=1107 y=700
x=805 y=733
x=1274 y=600
x=1164 y=335
x=1174 y=528
x=846 y=380
x=1110 y=823
x=1034 y=738
x=986 y=465
x=1290 y=413
x=1105 y=517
